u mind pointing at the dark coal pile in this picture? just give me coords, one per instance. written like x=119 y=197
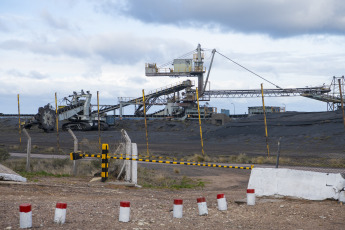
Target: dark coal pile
x=302 y=135
x=284 y=125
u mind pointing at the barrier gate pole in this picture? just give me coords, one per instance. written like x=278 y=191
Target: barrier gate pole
x=105 y=165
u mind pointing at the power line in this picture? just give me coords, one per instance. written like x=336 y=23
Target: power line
x=249 y=70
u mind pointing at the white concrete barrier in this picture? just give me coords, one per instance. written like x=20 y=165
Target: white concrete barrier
x=25 y=216
x=221 y=201
x=178 y=208
x=60 y=213
x=250 y=196
x=296 y=183
x=125 y=211
x=202 y=206
x=12 y=177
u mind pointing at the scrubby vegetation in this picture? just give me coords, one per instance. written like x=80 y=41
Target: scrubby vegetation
x=4 y=154
x=149 y=178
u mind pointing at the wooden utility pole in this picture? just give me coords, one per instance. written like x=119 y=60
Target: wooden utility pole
x=99 y=124
x=20 y=129
x=202 y=142
x=147 y=138
x=57 y=123
x=263 y=107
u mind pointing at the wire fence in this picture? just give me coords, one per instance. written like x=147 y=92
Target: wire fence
x=314 y=144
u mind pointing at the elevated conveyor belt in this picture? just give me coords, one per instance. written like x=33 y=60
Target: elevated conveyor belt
x=68 y=111
x=267 y=92
x=70 y=107
x=324 y=98
x=152 y=94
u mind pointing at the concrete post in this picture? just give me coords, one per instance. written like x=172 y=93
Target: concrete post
x=28 y=150
x=75 y=149
x=278 y=154
x=128 y=147
x=134 y=164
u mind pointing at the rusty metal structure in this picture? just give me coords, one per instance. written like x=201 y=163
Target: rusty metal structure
x=194 y=67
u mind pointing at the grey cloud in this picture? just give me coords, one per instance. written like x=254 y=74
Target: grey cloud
x=13 y=44
x=37 y=75
x=137 y=80
x=114 y=48
x=275 y=18
x=55 y=23
x=73 y=46
x=35 y=47
x=123 y=48
x=32 y=74
x=3 y=27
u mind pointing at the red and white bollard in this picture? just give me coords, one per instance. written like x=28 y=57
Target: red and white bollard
x=125 y=211
x=222 y=205
x=25 y=215
x=178 y=208
x=250 y=196
x=202 y=206
x=60 y=213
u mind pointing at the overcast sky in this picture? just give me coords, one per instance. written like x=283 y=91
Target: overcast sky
x=49 y=46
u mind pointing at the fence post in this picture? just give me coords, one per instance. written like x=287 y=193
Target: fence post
x=28 y=150
x=105 y=165
x=277 y=163
x=75 y=149
x=128 y=147
x=134 y=164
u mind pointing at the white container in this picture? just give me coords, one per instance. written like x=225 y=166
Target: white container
x=25 y=216
x=202 y=206
x=222 y=205
x=125 y=211
x=60 y=213
x=250 y=196
x=178 y=208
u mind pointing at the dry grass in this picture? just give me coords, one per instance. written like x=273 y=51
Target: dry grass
x=151 y=179
x=176 y=170
x=199 y=158
x=55 y=166
x=242 y=158
x=4 y=154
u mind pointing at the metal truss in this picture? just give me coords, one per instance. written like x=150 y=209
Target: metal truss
x=151 y=98
x=267 y=92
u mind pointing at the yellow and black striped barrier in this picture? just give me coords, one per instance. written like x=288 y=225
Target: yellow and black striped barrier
x=105 y=165
x=157 y=157
x=81 y=155
x=142 y=156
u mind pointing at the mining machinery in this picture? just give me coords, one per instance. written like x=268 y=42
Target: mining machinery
x=195 y=68
x=77 y=115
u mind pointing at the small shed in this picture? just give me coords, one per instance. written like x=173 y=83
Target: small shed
x=268 y=109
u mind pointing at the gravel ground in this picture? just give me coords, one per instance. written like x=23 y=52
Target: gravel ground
x=96 y=206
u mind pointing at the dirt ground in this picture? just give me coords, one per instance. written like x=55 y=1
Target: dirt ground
x=96 y=205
